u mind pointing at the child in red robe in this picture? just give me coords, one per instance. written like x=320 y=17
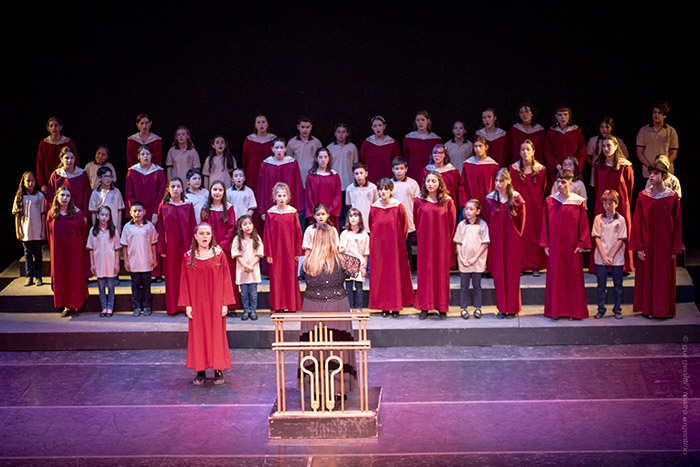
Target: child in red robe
x=256 y=148
x=440 y=163
x=205 y=293
x=526 y=129
x=418 y=144
x=282 y=244
x=435 y=216
x=323 y=186
x=47 y=156
x=495 y=136
x=175 y=225
x=144 y=137
x=564 y=237
x=530 y=180
x=479 y=172
x=74 y=178
x=390 y=284
x=66 y=232
x=656 y=237
x=562 y=140
x=504 y=212
x=221 y=216
x=377 y=151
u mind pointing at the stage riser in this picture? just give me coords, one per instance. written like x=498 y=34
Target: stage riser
x=418 y=337
x=122 y=301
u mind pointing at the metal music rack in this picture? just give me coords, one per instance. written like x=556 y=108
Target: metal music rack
x=320 y=351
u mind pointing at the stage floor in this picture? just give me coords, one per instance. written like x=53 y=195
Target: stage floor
x=502 y=405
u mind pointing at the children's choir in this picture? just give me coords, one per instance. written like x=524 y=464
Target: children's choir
x=386 y=196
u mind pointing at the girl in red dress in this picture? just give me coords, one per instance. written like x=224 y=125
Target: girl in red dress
x=323 y=186
x=563 y=140
x=418 y=144
x=144 y=137
x=478 y=172
x=504 y=211
x=175 y=225
x=205 y=293
x=656 y=237
x=526 y=129
x=613 y=171
x=390 y=283
x=67 y=234
x=76 y=179
x=495 y=136
x=47 y=156
x=377 y=151
x=440 y=163
x=435 y=215
x=221 y=216
x=256 y=148
x=530 y=180
x=282 y=244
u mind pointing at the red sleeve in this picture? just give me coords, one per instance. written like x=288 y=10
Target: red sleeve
x=676 y=235
x=160 y=246
x=267 y=245
x=636 y=235
x=403 y=220
x=311 y=182
x=519 y=218
x=461 y=193
x=544 y=231
x=452 y=213
x=245 y=155
x=395 y=150
x=298 y=236
x=185 y=298
x=628 y=180
x=363 y=152
x=161 y=183
x=584 y=234
x=261 y=189
x=334 y=208
x=225 y=242
x=129 y=189
x=298 y=192
x=225 y=285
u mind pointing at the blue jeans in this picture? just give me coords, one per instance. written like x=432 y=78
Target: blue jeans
x=249 y=296
x=355 y=293
x=106 y=287
x=33 y=258
x=602 y=273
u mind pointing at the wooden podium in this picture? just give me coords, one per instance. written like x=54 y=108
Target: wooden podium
x=318 y=413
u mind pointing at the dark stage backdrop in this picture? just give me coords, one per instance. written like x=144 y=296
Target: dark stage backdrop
x=213 y=69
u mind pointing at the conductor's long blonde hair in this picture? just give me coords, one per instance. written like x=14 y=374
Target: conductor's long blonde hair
x=324 y=252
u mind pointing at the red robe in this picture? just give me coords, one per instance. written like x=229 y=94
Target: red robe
x=282 y=242
x=175 y=228
x=517 y=136
x=134 y=143
x=47 y=158
x=255 y=151
x=390 y=283
x=656 y=230
x=558 y=146
x=565 y=228
x=497 y=145
x=478 y=179
x=206 y=288
x=505 y=250
x=417 y=152
x=79 y=186
x=147 y=187
x=325 y=189
x=435 y=226
x=453 y=182
x=224 y=233
x=622 y=181
x=67 y=237
x=378 y=157
x=270 y=174
x=533 y=257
